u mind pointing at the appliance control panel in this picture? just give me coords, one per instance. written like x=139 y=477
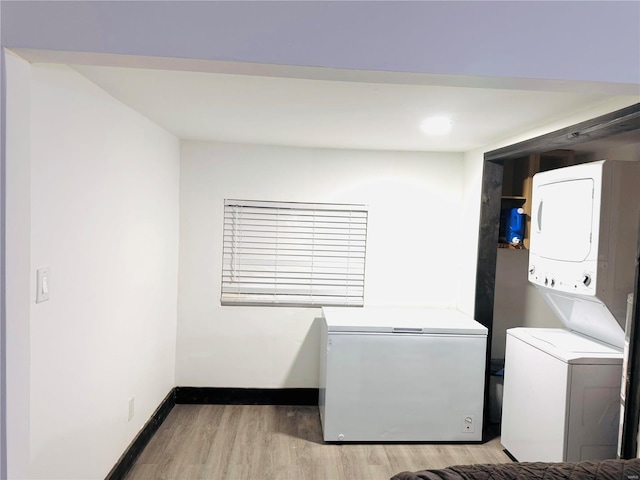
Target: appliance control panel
x=565 y=277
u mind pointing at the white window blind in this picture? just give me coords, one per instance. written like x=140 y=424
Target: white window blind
x=293 y=253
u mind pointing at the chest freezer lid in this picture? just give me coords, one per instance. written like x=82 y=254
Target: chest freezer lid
x=400 y=320
x=568 y=346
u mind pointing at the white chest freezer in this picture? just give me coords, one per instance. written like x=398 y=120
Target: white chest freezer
x=399 y=374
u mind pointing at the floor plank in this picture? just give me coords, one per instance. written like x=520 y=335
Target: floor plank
x=269 y=442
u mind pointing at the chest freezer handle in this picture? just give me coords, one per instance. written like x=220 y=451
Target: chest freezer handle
x=406 y=330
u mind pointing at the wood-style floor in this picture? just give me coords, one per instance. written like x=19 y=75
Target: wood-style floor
x=268 y=442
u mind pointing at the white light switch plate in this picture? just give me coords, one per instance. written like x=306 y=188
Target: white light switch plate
x=42 y=284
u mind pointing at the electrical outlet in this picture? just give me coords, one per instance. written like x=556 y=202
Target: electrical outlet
x=468 y=424
x=132 y=402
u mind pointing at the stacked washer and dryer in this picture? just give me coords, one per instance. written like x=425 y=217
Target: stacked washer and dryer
x=561 y=398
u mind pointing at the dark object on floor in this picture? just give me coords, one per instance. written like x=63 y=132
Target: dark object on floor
x=592 y=470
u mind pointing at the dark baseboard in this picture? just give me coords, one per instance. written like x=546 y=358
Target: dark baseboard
x=246 y=396
x=508 y=454
x=128 y=458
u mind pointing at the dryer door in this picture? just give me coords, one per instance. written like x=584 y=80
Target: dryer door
x=562 y=220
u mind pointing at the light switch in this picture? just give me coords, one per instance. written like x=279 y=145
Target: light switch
x=42 y=284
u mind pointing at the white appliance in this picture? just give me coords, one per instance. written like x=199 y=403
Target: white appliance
x=562 y=386
x=401 y=374
x=560 y=397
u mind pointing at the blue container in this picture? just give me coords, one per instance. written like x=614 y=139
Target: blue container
x=514 y=228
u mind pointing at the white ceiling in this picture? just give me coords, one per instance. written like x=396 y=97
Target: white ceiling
x=384 y=115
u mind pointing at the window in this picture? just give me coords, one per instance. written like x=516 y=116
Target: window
x=302 y=254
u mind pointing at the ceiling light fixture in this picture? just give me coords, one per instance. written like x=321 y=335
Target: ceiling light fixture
x=436 y=125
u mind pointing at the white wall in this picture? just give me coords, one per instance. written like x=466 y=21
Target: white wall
x=104 y=219
x=3 y=279
x=467 y=255
x=414 y=209
x=18 y=258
